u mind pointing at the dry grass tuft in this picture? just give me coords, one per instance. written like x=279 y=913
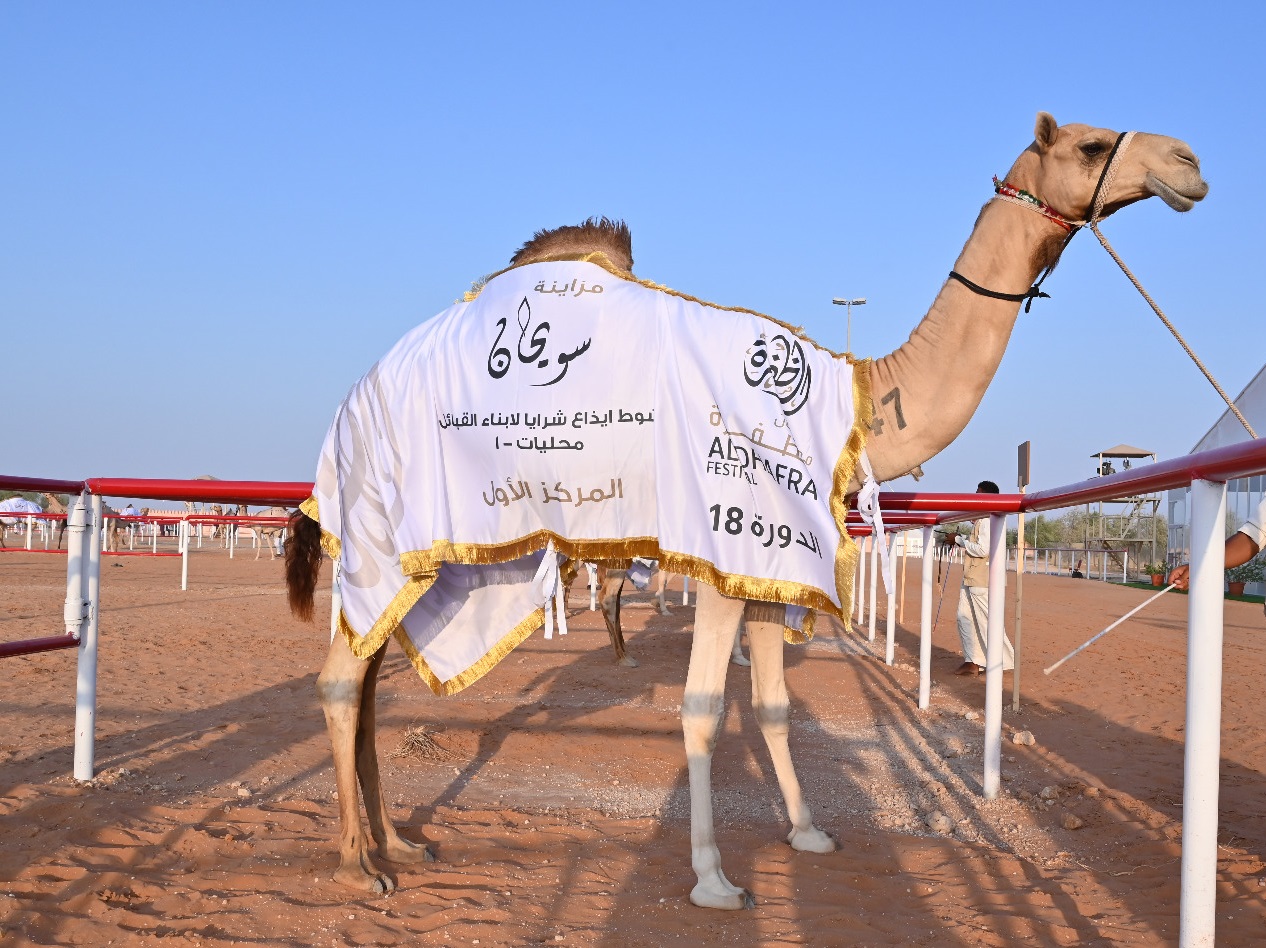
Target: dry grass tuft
x=417 y=744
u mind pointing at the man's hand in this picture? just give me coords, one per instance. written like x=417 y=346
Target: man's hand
x=1239 y=549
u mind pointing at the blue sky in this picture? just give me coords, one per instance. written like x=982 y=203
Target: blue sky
x=216 y=217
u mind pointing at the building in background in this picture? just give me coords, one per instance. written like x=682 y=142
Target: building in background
x=1243 y=493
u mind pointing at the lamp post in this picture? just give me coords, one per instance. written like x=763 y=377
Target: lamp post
x=848 y=309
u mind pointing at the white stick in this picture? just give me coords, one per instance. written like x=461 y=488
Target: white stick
x=1047 y=671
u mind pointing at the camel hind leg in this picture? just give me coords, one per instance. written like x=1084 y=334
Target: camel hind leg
x=661 y=593
x=609 y=600
x=771 y=705
x=344 y=685
x=391 y=845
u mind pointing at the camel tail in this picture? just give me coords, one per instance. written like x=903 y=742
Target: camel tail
x=303 y=563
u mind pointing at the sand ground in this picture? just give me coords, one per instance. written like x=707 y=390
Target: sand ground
x=554 y=793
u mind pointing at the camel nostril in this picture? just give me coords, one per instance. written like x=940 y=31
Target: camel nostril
x=1188 y=157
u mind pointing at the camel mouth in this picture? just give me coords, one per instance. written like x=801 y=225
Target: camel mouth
x=1176 y=199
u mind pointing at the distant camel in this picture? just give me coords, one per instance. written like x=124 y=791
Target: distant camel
x=270 y=533
x=611 y=586
x=110 y=515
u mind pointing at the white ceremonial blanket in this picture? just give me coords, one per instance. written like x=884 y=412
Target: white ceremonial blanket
x=613 y=418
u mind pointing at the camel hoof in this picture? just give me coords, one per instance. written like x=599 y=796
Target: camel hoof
x=361 y=881
x=811 y=840
x=628 y=661
x=402 y=851
x=383 y=886
x=740 y=660
x=726 y=901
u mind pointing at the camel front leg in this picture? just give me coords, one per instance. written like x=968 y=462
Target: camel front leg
x=702 y=710
x=609 y=599
x=340 y=687
x=391 y=845
x=769 y=701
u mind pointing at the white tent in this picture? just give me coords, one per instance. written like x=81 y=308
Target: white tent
x=20 y=505
x=1242 y=494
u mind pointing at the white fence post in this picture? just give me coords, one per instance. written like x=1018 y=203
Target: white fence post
x=75 y=609
x=890 y=650
x=925 y=623
x=183 y=533
x=875 y=540
x=86 y=683
x=860 y=585
x=994 y=653
x=1202 y=736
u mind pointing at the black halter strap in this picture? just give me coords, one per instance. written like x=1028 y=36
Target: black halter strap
x=1027 y=298
x=1035 y=291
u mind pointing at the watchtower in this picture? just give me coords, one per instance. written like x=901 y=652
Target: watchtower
x=1124 y=524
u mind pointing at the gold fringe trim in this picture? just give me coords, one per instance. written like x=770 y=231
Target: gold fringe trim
x=504 y=647
x=598 y=258
x=364 y=646
x=329 y=542
x=738 y=586
x=800 y=636
x=420 y=562
x=841 y=478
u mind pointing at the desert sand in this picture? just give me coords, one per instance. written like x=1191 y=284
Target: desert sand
x=554 y=795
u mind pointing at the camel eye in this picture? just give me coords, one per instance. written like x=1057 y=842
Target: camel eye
x=1093 y=149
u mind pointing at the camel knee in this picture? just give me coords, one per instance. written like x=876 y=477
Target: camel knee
x=773 y=718
x=701 y=719
x=341 y=683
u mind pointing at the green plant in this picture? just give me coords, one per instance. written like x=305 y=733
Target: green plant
x=1155 y=569
x=1254 y=571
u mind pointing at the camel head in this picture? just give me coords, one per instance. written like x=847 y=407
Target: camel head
x=1064 y=165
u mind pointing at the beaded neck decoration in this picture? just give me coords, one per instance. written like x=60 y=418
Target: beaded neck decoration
x=1009 y=192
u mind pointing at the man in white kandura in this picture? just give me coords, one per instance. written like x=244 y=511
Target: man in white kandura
x=1241 y=546
x=973 y=598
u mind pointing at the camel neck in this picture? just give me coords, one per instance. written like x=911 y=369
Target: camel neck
x=1008 y=249
x=939 y=375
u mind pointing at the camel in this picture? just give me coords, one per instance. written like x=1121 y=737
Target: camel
x=269 y=533
x=611 y=587
x=216 y=511
x=924 y=393
x=109 y=513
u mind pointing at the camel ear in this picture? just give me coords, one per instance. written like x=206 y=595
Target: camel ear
x=1046 y=130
